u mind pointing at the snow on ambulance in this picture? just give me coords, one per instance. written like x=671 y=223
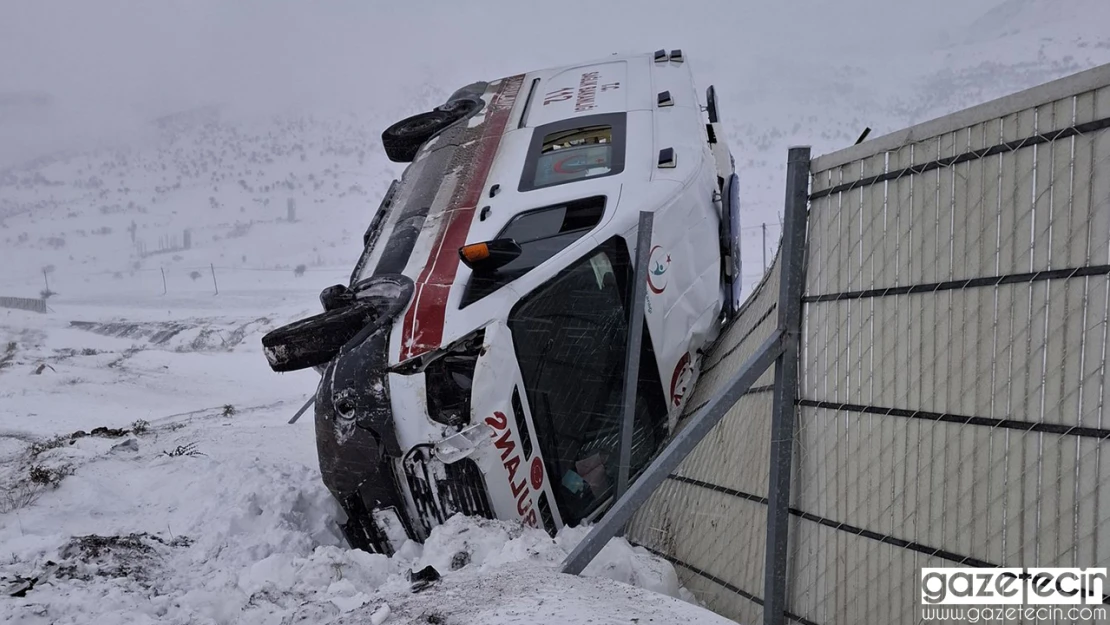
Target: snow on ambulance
x=475 y=362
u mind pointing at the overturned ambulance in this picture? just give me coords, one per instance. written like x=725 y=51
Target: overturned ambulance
x=474 y=363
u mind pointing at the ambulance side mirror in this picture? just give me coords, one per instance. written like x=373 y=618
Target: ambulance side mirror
x=489 y=255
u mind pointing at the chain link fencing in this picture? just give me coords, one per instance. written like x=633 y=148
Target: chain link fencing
x=952 y=376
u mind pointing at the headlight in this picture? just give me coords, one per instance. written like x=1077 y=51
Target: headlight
x=449 y=378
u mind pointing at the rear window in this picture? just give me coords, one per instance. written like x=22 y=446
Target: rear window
x=541 y=234
x=575 y=149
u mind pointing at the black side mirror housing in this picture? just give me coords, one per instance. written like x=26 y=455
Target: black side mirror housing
x=336 y=296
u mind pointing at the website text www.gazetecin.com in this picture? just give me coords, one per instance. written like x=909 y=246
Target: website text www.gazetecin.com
x=975 y=595
x=990 y=614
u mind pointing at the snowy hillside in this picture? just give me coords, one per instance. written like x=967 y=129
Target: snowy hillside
x=227 y=173
x=147 y=474
x=196 y=176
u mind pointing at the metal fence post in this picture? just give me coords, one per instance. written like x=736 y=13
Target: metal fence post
x=304 y=408
x=786 y=385
x=632 y=358
x=764 y=248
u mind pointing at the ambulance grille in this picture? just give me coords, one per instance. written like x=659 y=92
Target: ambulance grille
x=546 y=516
x=464 y=490
x=440 y=490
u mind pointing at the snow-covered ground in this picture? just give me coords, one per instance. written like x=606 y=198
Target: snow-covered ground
x=147 y=474
x=206 y=506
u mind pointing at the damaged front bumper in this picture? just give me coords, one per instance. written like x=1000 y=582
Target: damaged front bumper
x=389 y=493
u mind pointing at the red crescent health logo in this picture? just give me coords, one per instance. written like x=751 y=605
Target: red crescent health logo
x=678 y=391
x=537 y=473
x=658 y=263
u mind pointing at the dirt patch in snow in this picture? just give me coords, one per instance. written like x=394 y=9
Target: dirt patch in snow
x=137 y=556
x=192 y=335
x=131 y=555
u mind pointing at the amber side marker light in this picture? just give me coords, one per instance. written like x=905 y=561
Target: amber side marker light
x=489 y=255
x=474 y=252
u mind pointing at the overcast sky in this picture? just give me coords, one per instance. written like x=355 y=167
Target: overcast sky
x=131 y=56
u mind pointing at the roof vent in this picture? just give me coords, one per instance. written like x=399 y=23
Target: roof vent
x=665 y=99
x=660 y=56
x=676 y=56
x=667 y=158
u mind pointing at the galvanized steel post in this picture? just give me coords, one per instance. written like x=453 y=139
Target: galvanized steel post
x=786 y=385
x=632 y=358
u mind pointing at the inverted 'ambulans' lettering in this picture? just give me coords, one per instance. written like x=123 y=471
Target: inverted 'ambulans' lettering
x=511 y=460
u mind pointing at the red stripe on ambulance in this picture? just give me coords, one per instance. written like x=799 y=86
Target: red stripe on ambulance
x=423 y=326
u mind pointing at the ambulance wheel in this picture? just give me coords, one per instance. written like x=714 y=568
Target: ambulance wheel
x=316 y=340
x=711 y=104
x=730 y=236
x=403 y=140
x=461 y=106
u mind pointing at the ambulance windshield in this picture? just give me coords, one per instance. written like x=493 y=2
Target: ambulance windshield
x=571 y=336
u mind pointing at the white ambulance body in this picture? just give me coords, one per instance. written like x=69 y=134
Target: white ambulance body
x=475 y=363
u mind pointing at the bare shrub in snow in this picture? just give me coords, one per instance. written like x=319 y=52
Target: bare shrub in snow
x=9 y=354
x=48 y=476
x=140 y=426
x=184 y=450
x=19 y=495
x=39 y=447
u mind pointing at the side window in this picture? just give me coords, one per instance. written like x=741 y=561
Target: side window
x=571 y=337
x=540 y=234
x=574 y=149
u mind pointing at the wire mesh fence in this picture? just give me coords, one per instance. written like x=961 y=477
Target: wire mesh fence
x=954 y=359
x=950 y=406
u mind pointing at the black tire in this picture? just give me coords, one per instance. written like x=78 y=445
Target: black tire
x=460 y=107
x=403 y=140
x=473 y=91
x=336 y=297
x=316 y=340
x=730 y=244
x=711 y=104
